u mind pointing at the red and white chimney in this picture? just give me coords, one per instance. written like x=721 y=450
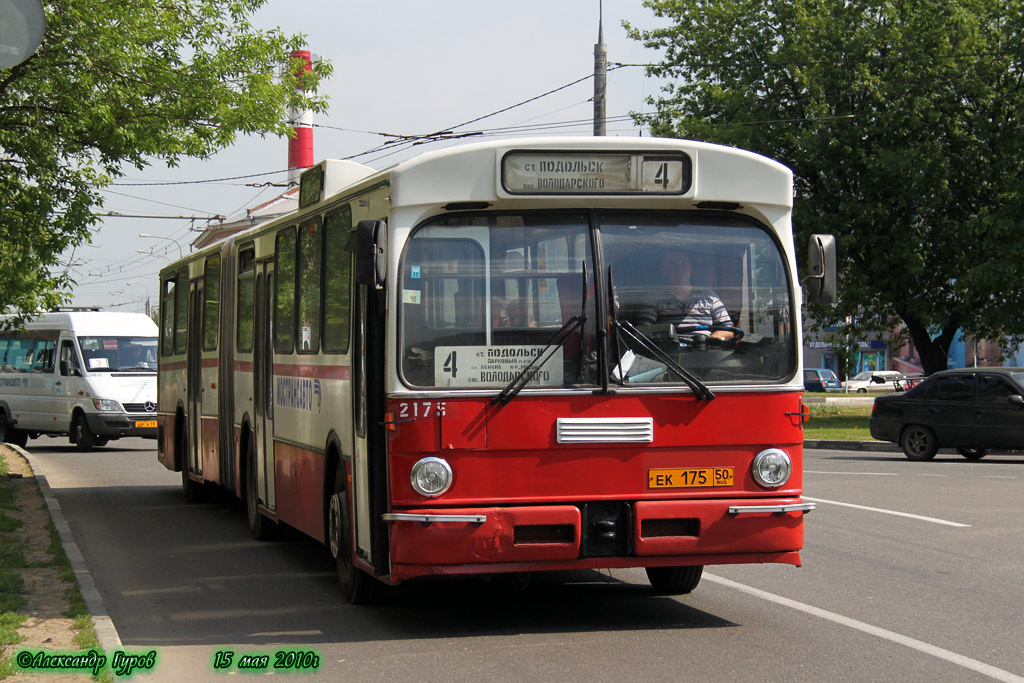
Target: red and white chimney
x=300 y=147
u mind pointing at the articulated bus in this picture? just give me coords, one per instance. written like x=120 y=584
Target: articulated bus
x=466 y=364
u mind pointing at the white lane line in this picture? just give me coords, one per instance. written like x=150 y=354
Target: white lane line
x=866 y=474
x=887 y=512
x=892 y=636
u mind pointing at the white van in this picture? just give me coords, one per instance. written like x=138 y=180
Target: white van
x=89 y=374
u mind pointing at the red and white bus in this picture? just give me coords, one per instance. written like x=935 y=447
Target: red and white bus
x=465 y=364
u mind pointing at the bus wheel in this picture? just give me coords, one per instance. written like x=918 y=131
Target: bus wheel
x=260 y=527
x=85 y=440
x=9 y=434
x=674 y=580
x=919 y=443
x=358 y=587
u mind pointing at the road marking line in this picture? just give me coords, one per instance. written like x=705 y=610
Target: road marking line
x=888 y=512
x=892 y=636
x=867 y=474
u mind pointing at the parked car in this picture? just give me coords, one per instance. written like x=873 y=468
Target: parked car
x=875 y=380
x=821 y=379
x=972 y=410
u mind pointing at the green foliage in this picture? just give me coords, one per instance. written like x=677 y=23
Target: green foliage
x=120 y=83
x=838 y=423
x=904 y=124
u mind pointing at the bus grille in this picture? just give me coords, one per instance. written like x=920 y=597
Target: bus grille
x=605 y=430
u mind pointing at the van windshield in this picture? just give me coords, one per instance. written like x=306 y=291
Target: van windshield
x=118 y=354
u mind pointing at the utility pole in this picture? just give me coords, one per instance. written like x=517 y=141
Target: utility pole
x=600 y=75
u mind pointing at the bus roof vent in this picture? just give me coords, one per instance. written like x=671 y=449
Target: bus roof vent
x=605 y=430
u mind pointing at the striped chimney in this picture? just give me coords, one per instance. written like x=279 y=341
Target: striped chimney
x=300 y=147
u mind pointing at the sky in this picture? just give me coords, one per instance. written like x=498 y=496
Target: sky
x=400 y=67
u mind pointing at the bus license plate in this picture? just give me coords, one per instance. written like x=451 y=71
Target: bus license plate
x=145 y=424
x=691 y=477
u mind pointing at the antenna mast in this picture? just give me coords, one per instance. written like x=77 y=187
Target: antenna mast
x=600 y=74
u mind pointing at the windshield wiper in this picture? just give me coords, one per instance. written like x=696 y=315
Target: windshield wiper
x=524 y=376
x=630 y=331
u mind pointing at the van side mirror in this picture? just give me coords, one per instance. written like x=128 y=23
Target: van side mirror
x=821 y=269
x=64 y=369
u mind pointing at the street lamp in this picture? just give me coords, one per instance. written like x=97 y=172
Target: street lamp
x=160 y=237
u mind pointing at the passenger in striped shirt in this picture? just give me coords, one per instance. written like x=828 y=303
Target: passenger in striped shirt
x=683 y=304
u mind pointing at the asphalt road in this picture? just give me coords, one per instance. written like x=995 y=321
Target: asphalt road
x=912 y=572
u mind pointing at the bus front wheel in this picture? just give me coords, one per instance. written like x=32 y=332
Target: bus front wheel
x=674 y=580
x=358 y=587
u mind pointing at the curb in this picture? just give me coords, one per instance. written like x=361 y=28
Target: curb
x=106 y=632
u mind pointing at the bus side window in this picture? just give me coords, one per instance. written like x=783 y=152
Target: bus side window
x=211 y=305
x=284 y=294
x=181 y=312
x=337 y=269
x=245 y=307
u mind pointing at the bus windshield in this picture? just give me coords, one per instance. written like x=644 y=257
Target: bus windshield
x=118 y=354
x=482 y=296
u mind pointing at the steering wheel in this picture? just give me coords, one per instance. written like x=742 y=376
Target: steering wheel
x=691 y=337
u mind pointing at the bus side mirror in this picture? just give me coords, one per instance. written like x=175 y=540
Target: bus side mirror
x=821 y=269
x=64 y=370
x=369 y=241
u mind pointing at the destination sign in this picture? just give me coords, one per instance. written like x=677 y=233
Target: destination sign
x=566 y=172
x=493 y=366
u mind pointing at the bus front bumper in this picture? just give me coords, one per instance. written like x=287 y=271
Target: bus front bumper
x=446 y=541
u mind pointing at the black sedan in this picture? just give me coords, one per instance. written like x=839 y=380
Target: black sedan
x=971 y=410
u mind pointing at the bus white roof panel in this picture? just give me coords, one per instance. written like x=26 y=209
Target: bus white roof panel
x=473 y=172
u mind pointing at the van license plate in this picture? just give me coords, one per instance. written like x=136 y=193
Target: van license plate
x=145 y=424
x=691 y=477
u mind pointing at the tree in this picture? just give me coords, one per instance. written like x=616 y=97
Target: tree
x=117 y=84
x=902 y=121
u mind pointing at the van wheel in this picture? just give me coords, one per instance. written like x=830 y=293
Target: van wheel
x=358 y=587
x=9 y=434
x=85 y=440
x=674 y=580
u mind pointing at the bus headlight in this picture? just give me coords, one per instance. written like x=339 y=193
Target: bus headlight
x=431 y=477
x=107 y=405
x=772 y=468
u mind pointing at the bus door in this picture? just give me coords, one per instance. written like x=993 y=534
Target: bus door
x=369 y=468
x=360 y=449
x=194 y=378
x=263 y=389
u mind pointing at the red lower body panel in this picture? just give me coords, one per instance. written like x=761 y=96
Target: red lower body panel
x=537 y=538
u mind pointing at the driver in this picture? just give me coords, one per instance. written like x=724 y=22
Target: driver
x=683 y=304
